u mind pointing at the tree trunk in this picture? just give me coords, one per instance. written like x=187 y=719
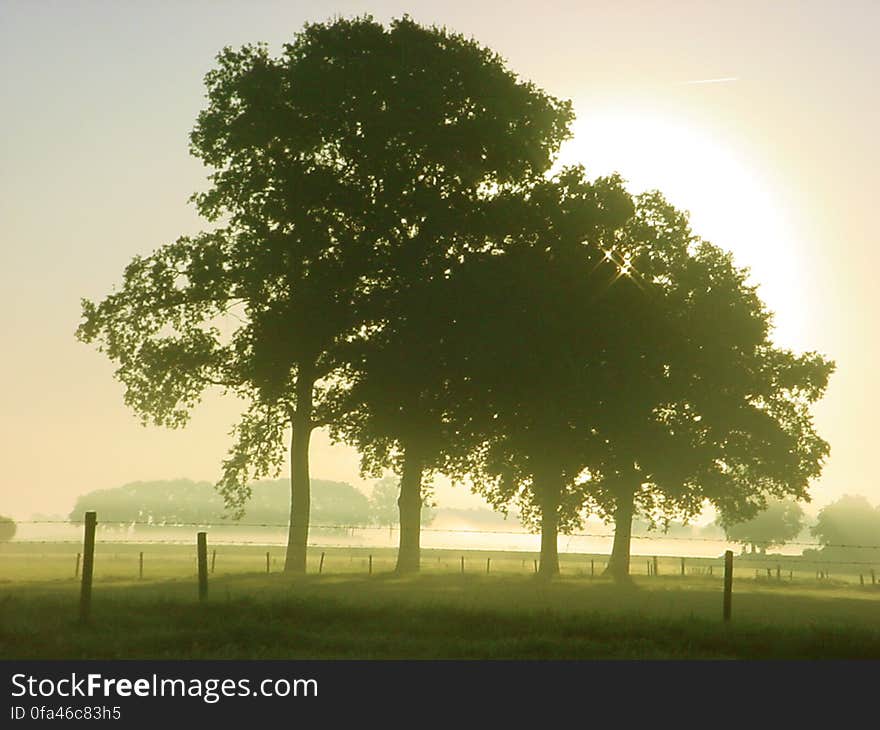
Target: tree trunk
x=300 y=486
x=410 y=504
x=549 y=496
x=618 y=564
x=549 y=565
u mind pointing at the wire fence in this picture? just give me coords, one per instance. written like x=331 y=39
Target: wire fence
x=150 y=550
x=424 y=529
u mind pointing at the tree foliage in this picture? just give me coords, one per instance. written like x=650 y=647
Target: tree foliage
x=384 y=509
x=337 y=168
x=849 y=522
x=631 y=368
x=781 y=521
x=700 y=404
x=528 y=319
x=183 y=501
x=7 y=528
x=713 y=410
x=388 y=258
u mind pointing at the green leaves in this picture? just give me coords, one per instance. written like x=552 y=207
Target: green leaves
x=258 y=451
x=344 y=171
x=390 y=258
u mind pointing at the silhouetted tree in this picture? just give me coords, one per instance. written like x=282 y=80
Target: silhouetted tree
x=338 y=167
x=781 y=521
x=7 y=528
x=626 y=367
x=456 y=131
x=715 y=412
x=392 y=411
x=395 y=410
x=533 y=317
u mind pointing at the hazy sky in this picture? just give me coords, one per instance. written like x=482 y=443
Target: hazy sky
x=778 y=162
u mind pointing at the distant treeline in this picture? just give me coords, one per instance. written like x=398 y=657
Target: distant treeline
x=186 y=501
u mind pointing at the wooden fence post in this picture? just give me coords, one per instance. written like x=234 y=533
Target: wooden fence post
x=728 y=582
x=682 y=567
x=141 y=567
x=778 y=572
x=873 y=578
x=267 y=562
x=649 y=567
x=321 y=564
x=202 y=558
x=76 y=570
x=88 y=566
x=592 y=569
x=536 y=566
x=462 y=563
x=370 y=565
x=861 y=580
x=213 y=558
x=488 y=562
x=656 y=572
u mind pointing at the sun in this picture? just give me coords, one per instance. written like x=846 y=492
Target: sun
x=728 y=193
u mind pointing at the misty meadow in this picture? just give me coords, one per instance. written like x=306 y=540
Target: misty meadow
x=491 y=401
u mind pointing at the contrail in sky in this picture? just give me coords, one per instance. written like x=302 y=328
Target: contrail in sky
x=723 y=80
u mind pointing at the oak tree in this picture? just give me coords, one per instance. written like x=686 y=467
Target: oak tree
x=339 y=168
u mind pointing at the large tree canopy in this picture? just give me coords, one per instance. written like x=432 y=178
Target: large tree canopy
x=717 y=412
x=629 y=369
x=342 y=169
x=531 y=322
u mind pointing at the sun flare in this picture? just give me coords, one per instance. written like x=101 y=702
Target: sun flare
x=730 y=200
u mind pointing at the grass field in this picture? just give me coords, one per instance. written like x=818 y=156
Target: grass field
x=345 y=612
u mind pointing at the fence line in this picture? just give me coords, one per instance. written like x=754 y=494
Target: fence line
x=608 y=535
x=789 y=562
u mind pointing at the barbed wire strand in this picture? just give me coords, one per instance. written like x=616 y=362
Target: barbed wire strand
x=790 y=562
x=278 y=525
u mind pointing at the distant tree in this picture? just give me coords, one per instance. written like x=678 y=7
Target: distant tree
x=781 y=521
x=185 y=501
x=849 y=522
x=7 y=528
x=337 y=503
x=162 y=502
x=384 y=499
